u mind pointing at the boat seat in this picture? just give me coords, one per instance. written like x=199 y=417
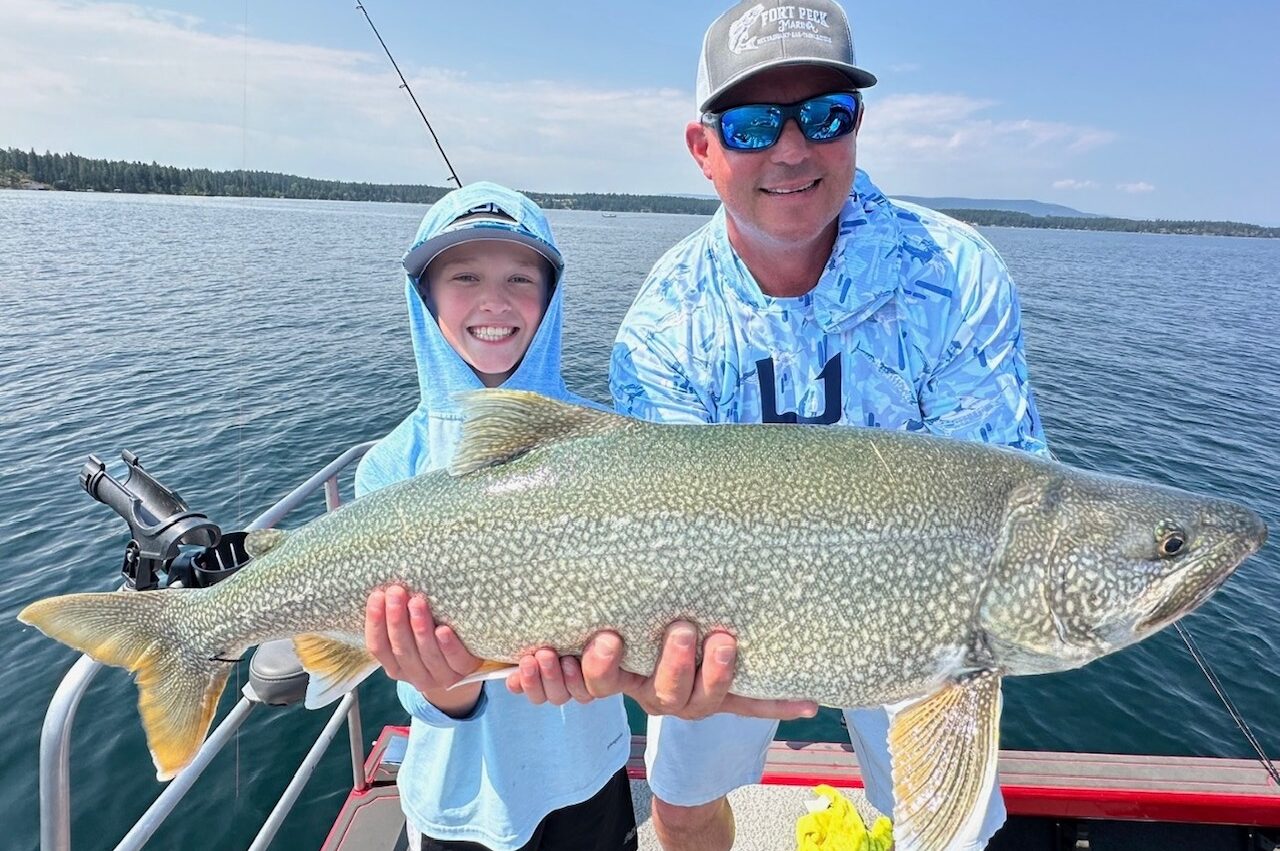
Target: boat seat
x=276 y=674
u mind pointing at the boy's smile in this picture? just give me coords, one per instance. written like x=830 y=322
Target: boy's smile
x=489 y=296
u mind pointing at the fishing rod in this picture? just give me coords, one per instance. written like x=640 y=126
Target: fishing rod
x=404 y=84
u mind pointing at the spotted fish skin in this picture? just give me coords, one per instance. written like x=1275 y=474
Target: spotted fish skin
x=856 y=567
x=555 y=545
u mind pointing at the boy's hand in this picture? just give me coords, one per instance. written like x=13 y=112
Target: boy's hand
x=402 y=635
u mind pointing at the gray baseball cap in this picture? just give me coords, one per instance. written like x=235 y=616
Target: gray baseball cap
x=482 y=210
x=755 y=35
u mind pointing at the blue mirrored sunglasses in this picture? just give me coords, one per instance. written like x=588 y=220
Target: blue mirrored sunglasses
x=756 y=126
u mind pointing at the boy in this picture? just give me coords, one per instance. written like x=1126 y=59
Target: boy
x=486 y=768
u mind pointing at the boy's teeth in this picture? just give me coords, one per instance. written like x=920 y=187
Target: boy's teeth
x=490 y=332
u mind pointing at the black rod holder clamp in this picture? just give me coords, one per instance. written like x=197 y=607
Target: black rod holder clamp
x=159 y=521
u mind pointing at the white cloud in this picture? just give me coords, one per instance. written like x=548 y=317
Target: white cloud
x=1072 y=183
x=121 y=81
x=948 y=144
x=125 y=82
x=1136 y=187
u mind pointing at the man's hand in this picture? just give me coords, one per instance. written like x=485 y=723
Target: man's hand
x=403 y=636
x=678 y=686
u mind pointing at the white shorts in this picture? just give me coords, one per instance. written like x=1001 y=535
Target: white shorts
x=695 y=762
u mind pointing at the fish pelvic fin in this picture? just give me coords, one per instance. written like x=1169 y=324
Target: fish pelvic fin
x=179 y=682
x=944 y=750
x=335 y=666
x=502 y=425
x=488 y=670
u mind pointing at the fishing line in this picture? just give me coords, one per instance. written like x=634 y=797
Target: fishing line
x=404 y=84
x=1231 y=707
x=240 y=341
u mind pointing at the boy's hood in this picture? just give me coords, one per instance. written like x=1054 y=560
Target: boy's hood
x=441 y=370
x=425 y=440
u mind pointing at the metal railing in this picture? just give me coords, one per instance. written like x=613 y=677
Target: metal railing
x=55 y=735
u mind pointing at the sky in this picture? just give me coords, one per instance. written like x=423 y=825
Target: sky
x=1135 y=108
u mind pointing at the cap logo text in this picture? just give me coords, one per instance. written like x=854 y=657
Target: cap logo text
x=776 y=23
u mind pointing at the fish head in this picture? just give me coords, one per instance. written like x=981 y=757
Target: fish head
x=1090 y=563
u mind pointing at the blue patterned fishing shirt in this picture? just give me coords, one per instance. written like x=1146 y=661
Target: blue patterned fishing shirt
x=913 y=325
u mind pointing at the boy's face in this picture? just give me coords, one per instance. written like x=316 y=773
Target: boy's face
x=489 y=296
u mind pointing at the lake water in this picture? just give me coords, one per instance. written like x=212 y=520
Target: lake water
x=238 y=345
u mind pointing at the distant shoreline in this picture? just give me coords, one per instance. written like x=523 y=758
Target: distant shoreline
x=72 y=173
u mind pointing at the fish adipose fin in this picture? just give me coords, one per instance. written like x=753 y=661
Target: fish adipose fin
x=179 y=682
x=944 y=750
x=502 y=425
x=488 y=670
x=335 y=667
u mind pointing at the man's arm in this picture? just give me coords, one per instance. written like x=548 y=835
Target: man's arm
x=648 y=375
x=979 y=388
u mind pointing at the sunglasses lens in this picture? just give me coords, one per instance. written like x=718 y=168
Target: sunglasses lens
x=757 y=126
x=750 y=128
x=828 y=117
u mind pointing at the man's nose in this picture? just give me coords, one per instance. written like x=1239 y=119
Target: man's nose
x=792 y=147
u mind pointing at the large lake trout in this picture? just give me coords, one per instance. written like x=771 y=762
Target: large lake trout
x=856 y=567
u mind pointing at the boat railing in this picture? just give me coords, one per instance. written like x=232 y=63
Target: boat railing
x=55 y=735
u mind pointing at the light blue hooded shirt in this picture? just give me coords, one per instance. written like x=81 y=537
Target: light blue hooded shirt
x=492 y=776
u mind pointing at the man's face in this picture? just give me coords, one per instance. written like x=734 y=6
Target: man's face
x=789 y=194
x=489 y=296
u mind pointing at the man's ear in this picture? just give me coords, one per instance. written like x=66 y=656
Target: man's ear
x=697 y=137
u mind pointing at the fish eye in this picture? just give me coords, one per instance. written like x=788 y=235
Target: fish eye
x=1170 y=540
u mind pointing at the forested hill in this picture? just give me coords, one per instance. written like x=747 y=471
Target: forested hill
x=1002 y=218
x=29 y=170
x=19 y=169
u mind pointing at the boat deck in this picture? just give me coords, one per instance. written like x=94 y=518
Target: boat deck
x=1058 y=801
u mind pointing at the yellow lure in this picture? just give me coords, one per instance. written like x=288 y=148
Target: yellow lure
x=837 y=826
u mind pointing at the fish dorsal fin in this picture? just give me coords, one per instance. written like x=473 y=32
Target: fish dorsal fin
x=502 y=425
x=259 y=542
x=944 y=750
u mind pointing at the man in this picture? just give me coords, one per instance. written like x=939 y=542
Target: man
x=808 y=298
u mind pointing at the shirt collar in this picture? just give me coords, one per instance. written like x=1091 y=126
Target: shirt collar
x=862 y=272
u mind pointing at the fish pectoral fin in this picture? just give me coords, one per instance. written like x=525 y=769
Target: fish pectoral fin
x=488 y=670
x=259 y=542
x=944 y=749
x=502 y=425
x=335 y=667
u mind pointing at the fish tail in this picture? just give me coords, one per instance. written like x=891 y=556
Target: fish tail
x=179 y=680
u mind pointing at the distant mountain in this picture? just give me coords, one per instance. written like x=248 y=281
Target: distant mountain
x=1031 y=208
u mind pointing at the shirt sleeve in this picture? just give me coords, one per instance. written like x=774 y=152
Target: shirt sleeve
x=979 y=389
x=648 y=369
x=427 y=712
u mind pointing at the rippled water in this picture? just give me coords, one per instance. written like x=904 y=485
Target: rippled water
x=237 y=346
